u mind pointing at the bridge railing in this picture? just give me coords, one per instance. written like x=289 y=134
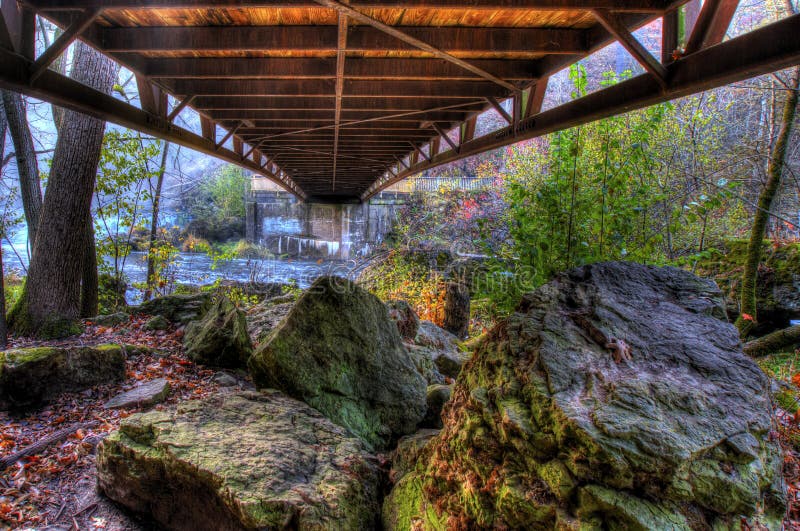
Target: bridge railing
x=436 y=184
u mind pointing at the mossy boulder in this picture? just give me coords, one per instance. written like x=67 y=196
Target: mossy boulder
x=339 y=352
x=408 y=451
x=265 y=317
x=30 y=376
x=777 y=285
x=422 y=358
x=443 y=347
x=179 y=309
x=112 y=319
x=220 y=338
x=155 y=323
x=614 y=397
x=241 y=461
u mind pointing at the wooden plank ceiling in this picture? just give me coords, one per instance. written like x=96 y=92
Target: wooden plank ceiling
x=333 y=94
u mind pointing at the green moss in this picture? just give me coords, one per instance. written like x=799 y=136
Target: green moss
x=788 y=401
x=726 y=265
x=520 y=508
x=26 y=355
x=557 y=478
x=618 y=510
x=21 y=322
x=203 y=454
x=405 y=507
x=12 y=286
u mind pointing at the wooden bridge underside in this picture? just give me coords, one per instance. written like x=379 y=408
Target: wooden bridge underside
x=336 y=100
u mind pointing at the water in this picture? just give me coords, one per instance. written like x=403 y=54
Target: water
x=195 y=268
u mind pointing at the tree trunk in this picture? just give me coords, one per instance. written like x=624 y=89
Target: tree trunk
x=456 y=309
x=774 y=342
x=27 y=166
x=50 y=302
x=748 y=316
x=90 y=303
x=3 y=324
x=3 y=127
x=151 y=259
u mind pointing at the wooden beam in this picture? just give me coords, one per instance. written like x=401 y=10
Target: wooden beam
x=500 y=110
x=68 y=93
x=151 y=98
x=325 y=68
x=449 y=115
x=436 y=113
x=617 y=27
x=327 y=101
x=6 y=41
x=341 y=50
x=360 y=38
x=643 y=6
x=20 y=28
x=327 y=87
x=249 y=151
x=536 y=98
x=418 y=149
x=178 y=108
x=435 y=145
x=760 y=51
x=208 y=129
x=670 y=29
x=413 y=41
x=443 y=134
x=85 y=20
x=402 y=162
x=229 y=134
x=712 y=24
x=468 y=129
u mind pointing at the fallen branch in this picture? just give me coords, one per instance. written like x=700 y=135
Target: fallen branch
x=43 y=443
x=788 y=337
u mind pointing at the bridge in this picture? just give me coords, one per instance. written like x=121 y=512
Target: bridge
x=278 y=222
x=335 y=101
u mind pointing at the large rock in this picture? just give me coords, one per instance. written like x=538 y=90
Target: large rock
x=30 y=376
x=179 y=309
x=408 y=451
x=339 y=352
x=240 y=461
x=615 y=397
x=264 y=317
x=443 y=348
x=143 y=395
x=422 y=358
x=220 y=338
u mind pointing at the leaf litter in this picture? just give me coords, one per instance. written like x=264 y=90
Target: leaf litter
x=56 y=488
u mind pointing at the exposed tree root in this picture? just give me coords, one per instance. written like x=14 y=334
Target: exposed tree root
x=781 y=339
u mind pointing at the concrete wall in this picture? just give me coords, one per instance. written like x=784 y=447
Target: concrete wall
x=277 y=221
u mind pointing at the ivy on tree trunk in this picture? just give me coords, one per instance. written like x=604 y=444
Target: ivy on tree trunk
x=748 y=316
x=50 y=302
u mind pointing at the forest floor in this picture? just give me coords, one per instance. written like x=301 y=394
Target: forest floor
x=57 y=488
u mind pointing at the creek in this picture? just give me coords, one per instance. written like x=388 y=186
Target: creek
x=198 y=268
